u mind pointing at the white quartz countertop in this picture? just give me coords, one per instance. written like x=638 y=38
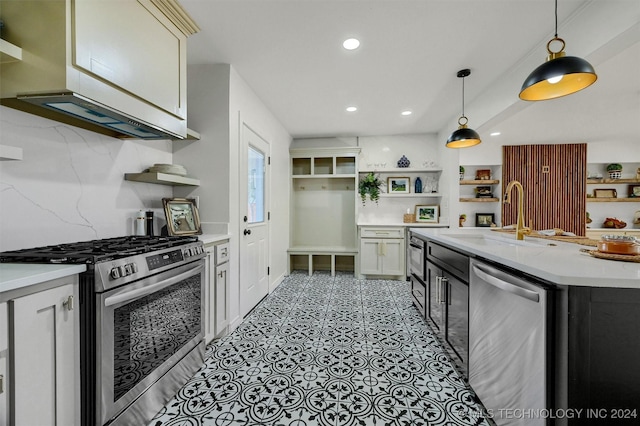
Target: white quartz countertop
x=14 y=276
x=398 y=223
x=553 y=261
x=213 y=238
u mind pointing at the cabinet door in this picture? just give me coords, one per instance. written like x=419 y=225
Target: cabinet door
x=221 y=298
x=209 y=296
x=133 y=46
x=457 y=312
x=45 y=357
x=435 y=307
x=370 y=261
x=392 y=252
x=4 y=352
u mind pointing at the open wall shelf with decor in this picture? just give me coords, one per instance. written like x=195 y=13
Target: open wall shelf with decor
x=613 y=198
x=479 y=193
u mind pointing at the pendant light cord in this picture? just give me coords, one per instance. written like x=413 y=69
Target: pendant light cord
x=463 y=96
x=556 y=34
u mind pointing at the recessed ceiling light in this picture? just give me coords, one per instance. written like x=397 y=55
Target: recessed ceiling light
x=352 y=109
x=407 y=112
x=351 y=43
x=495 y=134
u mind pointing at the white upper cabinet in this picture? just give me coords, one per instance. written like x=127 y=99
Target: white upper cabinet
x=126 y=56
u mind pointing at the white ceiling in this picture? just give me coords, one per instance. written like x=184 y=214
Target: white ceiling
x=290 y=53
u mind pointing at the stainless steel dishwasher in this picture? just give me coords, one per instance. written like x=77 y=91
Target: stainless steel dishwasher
x=508 y=342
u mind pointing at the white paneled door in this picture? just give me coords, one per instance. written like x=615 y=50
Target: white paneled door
x=254 y=227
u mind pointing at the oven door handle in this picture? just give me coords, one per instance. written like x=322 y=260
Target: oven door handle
x=144 y=291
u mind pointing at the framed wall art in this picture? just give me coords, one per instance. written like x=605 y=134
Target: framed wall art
x=485 y=219
x=398 y=185
x=427 y=214
x=182 y=216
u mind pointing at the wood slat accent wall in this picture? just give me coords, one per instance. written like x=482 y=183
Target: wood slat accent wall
x=554 y=181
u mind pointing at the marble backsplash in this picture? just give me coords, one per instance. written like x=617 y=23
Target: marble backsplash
x=70 y=184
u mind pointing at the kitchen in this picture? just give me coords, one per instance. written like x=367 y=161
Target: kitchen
x=70 y=184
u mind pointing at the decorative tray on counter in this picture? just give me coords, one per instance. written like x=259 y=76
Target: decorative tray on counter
x=611 y=256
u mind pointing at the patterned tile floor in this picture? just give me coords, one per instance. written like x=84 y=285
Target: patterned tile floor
x=327 y=351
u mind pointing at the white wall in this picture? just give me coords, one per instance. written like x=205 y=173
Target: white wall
x=70 y=185
x=219 y=102
x=246 y=107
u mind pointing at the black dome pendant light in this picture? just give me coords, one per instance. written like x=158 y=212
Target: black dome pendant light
x=463 y=137
x=560 y=76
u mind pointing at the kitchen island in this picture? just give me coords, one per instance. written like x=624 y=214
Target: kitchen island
x=590 y=323
x=557 y=262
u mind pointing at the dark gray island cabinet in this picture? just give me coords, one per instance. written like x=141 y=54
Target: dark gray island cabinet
x=591 y=327
x=603 y=355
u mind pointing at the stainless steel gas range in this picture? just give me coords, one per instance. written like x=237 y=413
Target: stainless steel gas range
x=141 y=331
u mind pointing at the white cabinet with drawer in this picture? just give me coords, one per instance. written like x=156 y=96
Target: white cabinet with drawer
x=217 y=291
x=382 y=252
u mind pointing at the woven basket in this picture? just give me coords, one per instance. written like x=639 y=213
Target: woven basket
x=409 y=218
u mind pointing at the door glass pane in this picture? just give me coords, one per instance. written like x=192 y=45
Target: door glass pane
x=255 y=207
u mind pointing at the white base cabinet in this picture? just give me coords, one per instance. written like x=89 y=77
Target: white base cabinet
x=216 y=311
x=382 y=252
x=4 y=371
x=44 y=355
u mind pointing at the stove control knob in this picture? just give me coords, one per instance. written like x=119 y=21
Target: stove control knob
x=134 y=268
x=115 y=273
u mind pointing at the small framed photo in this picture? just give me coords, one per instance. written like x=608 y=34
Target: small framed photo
x=605 y=193
x=485 y=219
x=634 y=191
x=398 y=185
x=182 y=216
x=427 y=214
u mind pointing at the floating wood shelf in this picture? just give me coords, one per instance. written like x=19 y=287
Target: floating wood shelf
x=162 y=179
x=614 y=200
x=612 y=181
x=480 y=182
x=479 y=200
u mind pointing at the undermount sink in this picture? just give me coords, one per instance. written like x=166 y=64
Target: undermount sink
x=497 y=240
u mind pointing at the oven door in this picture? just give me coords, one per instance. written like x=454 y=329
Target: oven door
x=416 y=258
x=144 y=329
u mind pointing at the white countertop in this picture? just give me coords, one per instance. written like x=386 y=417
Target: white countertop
x=14 y=276
x=397 y=223
x=213 y=238
x=561 y=263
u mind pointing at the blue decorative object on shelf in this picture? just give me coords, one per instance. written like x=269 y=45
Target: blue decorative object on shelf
x=418 y=185
x=403 y=162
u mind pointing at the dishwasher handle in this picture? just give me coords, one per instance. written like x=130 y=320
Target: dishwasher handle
x=510 y=287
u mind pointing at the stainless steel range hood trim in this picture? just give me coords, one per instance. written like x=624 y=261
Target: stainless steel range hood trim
x=116 y=122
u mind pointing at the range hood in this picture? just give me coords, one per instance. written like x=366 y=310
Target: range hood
x=114 y=67
x=78 y=107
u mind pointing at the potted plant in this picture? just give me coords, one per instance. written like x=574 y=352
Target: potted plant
x=461 y=220
x=370 y=184
x=615 y=170
x=461 y=172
